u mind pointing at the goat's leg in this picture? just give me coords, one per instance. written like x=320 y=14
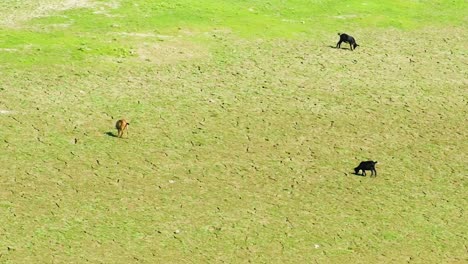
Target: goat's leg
x=338 y=45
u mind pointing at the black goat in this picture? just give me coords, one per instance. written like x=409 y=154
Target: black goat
x=366 y=165
x=347 y=39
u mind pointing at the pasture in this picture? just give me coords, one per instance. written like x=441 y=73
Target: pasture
x=245 y=126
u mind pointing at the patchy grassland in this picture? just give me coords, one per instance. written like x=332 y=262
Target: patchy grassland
x=245 y=127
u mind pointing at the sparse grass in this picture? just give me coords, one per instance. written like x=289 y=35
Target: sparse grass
x=245 y=127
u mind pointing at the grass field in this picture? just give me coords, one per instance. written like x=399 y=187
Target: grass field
x=245 y=126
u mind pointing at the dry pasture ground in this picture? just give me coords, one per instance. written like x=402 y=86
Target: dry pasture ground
x=239 y=150
x=15 y=13
x=246 y=155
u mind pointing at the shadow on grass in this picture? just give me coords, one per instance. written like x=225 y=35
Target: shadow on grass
x=334 y=47
x=110 y=134
x=357 y=174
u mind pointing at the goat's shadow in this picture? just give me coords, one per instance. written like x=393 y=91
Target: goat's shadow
x=110 y=134
x=357 y=174
x=334 y=47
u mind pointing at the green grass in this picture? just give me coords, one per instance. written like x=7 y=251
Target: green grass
x=245 y=128
x=81 y=33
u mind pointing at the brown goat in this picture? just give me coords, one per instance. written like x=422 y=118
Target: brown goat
x=121 y=126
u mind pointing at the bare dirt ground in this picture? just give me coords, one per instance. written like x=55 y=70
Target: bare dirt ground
x=27 y=10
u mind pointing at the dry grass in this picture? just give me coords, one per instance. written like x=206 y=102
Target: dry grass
x=172 y=51
x=27 y=10
x=239 y=149
x=243 y=155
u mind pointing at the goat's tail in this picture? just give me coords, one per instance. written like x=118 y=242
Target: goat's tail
x=339 y=34
x=375 y=162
